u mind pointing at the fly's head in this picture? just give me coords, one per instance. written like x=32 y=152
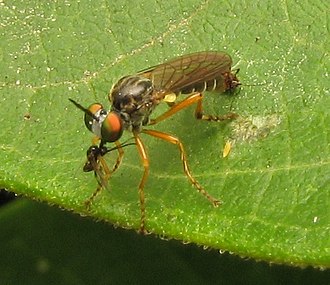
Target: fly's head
x=108 y=126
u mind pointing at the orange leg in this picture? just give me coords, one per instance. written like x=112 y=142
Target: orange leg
x=119 y=157
x=176 y=141
x=98 y=190
x=200 y=116
x=95 y=140
x=192 y=99
x=145 y=161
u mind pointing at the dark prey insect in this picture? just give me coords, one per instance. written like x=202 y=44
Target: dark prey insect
x=96 y=162
x=133 y=99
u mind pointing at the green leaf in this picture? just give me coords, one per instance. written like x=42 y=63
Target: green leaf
x=275 y=182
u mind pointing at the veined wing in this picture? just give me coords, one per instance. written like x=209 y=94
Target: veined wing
x=197 y=71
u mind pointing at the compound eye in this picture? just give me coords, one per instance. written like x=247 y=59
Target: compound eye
x=112 y=127
x=95 y=109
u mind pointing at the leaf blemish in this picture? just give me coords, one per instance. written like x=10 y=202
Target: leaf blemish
x=253 y=128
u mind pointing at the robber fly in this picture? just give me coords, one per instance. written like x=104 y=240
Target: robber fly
x=133 y=99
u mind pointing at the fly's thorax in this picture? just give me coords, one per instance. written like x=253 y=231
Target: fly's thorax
x=134 y=99
x=130 y=93
x=135 y=120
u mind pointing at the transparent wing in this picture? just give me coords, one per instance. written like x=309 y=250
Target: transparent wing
x=189 y=72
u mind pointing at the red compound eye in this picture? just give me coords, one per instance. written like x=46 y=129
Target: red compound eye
x=112 y=127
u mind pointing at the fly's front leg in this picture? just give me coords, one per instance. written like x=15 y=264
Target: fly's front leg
x=145 y=161
x=90 y=200
x=119 y=157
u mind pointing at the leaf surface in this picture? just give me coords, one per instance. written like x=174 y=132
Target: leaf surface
x=275 y=182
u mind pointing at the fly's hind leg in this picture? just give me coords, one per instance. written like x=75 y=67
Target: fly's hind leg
x=194 y=182
x=201 y=116
x=145 y=161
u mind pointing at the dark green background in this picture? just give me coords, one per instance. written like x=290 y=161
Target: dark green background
x=44 y=245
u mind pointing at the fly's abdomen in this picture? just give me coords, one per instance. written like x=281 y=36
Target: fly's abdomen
x=225 y=82
x=201 y=87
